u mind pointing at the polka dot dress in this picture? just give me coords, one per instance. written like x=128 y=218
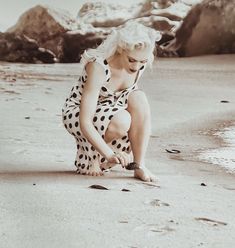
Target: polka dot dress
x=109 y=103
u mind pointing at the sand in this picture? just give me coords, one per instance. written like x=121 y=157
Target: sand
x=44 y=203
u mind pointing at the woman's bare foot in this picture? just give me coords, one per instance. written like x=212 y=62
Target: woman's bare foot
x=95 y=171
x=144 y=174
x=106 y=166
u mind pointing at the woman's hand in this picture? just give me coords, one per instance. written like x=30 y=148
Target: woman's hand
x=119 y=158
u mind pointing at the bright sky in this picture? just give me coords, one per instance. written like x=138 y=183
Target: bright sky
x=10 y=10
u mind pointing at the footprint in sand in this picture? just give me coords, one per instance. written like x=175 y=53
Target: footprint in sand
x=164 y=229
x=157 y=203
x=153 y=228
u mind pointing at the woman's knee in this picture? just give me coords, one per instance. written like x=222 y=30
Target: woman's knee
x=137 y=101
x=120 y=123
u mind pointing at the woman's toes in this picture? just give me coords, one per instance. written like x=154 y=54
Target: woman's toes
x=145 y=175
x=147 y=179
x=153 y=178
x=95 y=173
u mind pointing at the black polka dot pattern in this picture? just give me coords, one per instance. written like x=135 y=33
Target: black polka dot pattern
x=104 y=89
x=109 y=103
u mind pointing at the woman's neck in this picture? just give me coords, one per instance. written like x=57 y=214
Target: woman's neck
x=115 y=61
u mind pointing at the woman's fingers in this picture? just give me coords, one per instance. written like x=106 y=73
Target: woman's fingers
x=116 y=160
x=123 y=159
x=120 y=158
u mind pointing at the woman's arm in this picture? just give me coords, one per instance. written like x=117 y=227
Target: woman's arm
x=95 y=78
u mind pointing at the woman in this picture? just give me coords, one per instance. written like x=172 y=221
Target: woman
x=106 y=112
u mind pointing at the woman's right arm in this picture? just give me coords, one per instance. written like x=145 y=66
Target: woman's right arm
x=95 y=78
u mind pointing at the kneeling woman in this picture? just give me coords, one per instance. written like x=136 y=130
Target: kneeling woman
x=106 y=112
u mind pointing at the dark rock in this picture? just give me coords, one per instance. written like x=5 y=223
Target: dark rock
x=97 y=186
x=207 y=29
x=45 y=25
x=158 y=23
x=20 y=48
x=74 y=43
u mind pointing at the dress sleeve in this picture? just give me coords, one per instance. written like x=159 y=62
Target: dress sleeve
x=85 y=58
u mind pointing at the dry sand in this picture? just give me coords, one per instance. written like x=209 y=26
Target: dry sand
x=44 y=203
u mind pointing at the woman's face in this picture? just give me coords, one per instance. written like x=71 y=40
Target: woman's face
x=134 y=60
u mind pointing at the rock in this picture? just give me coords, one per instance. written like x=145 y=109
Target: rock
x=20 y=48
x=159 y=23
x=207 y=29
x=74 y=44
x=165 y=16
x=173 y=10
x=45 y=25
x=100 y=14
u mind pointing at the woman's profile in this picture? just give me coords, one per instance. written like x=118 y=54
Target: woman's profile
x=106 y=113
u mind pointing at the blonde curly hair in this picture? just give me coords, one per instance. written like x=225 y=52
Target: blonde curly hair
x=129 y=37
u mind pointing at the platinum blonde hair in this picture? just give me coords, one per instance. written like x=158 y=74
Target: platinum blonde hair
x=130 y=37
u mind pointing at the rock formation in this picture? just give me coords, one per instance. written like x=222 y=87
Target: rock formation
x=20 y=48
x=207 y=29
x=45 y=25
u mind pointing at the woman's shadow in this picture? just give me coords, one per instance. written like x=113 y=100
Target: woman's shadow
x=63 y=175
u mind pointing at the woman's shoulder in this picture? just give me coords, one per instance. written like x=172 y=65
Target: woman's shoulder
x=96 y=59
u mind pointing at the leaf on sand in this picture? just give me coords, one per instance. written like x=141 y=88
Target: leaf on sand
x=123 y=221
x=203 y=184
x=216 y=222
x=151 y=184
x=174 y=151
x=97 y=186
x=158 y=203
x=126 y=190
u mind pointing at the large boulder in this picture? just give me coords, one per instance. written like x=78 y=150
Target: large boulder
x=75 y=42
x=162 y=15
x=171 y=9
x=187 y=29
x=20 y=48
x=207 y=29
x=159 y=23
x=106 y=15
x=45 y=25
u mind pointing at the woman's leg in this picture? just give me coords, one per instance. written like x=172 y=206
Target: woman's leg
x=139 y=132
x=118 y=126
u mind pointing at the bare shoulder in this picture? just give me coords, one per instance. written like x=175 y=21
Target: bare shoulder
x=94 y=68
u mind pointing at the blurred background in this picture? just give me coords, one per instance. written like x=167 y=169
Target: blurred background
x=48 y=31
x=11 y=10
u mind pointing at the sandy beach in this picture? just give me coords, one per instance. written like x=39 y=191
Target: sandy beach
x=44 y=203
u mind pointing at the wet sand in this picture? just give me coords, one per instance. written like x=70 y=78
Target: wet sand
x=43 y=202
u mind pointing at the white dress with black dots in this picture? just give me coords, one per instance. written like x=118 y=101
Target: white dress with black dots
x=109 y=103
